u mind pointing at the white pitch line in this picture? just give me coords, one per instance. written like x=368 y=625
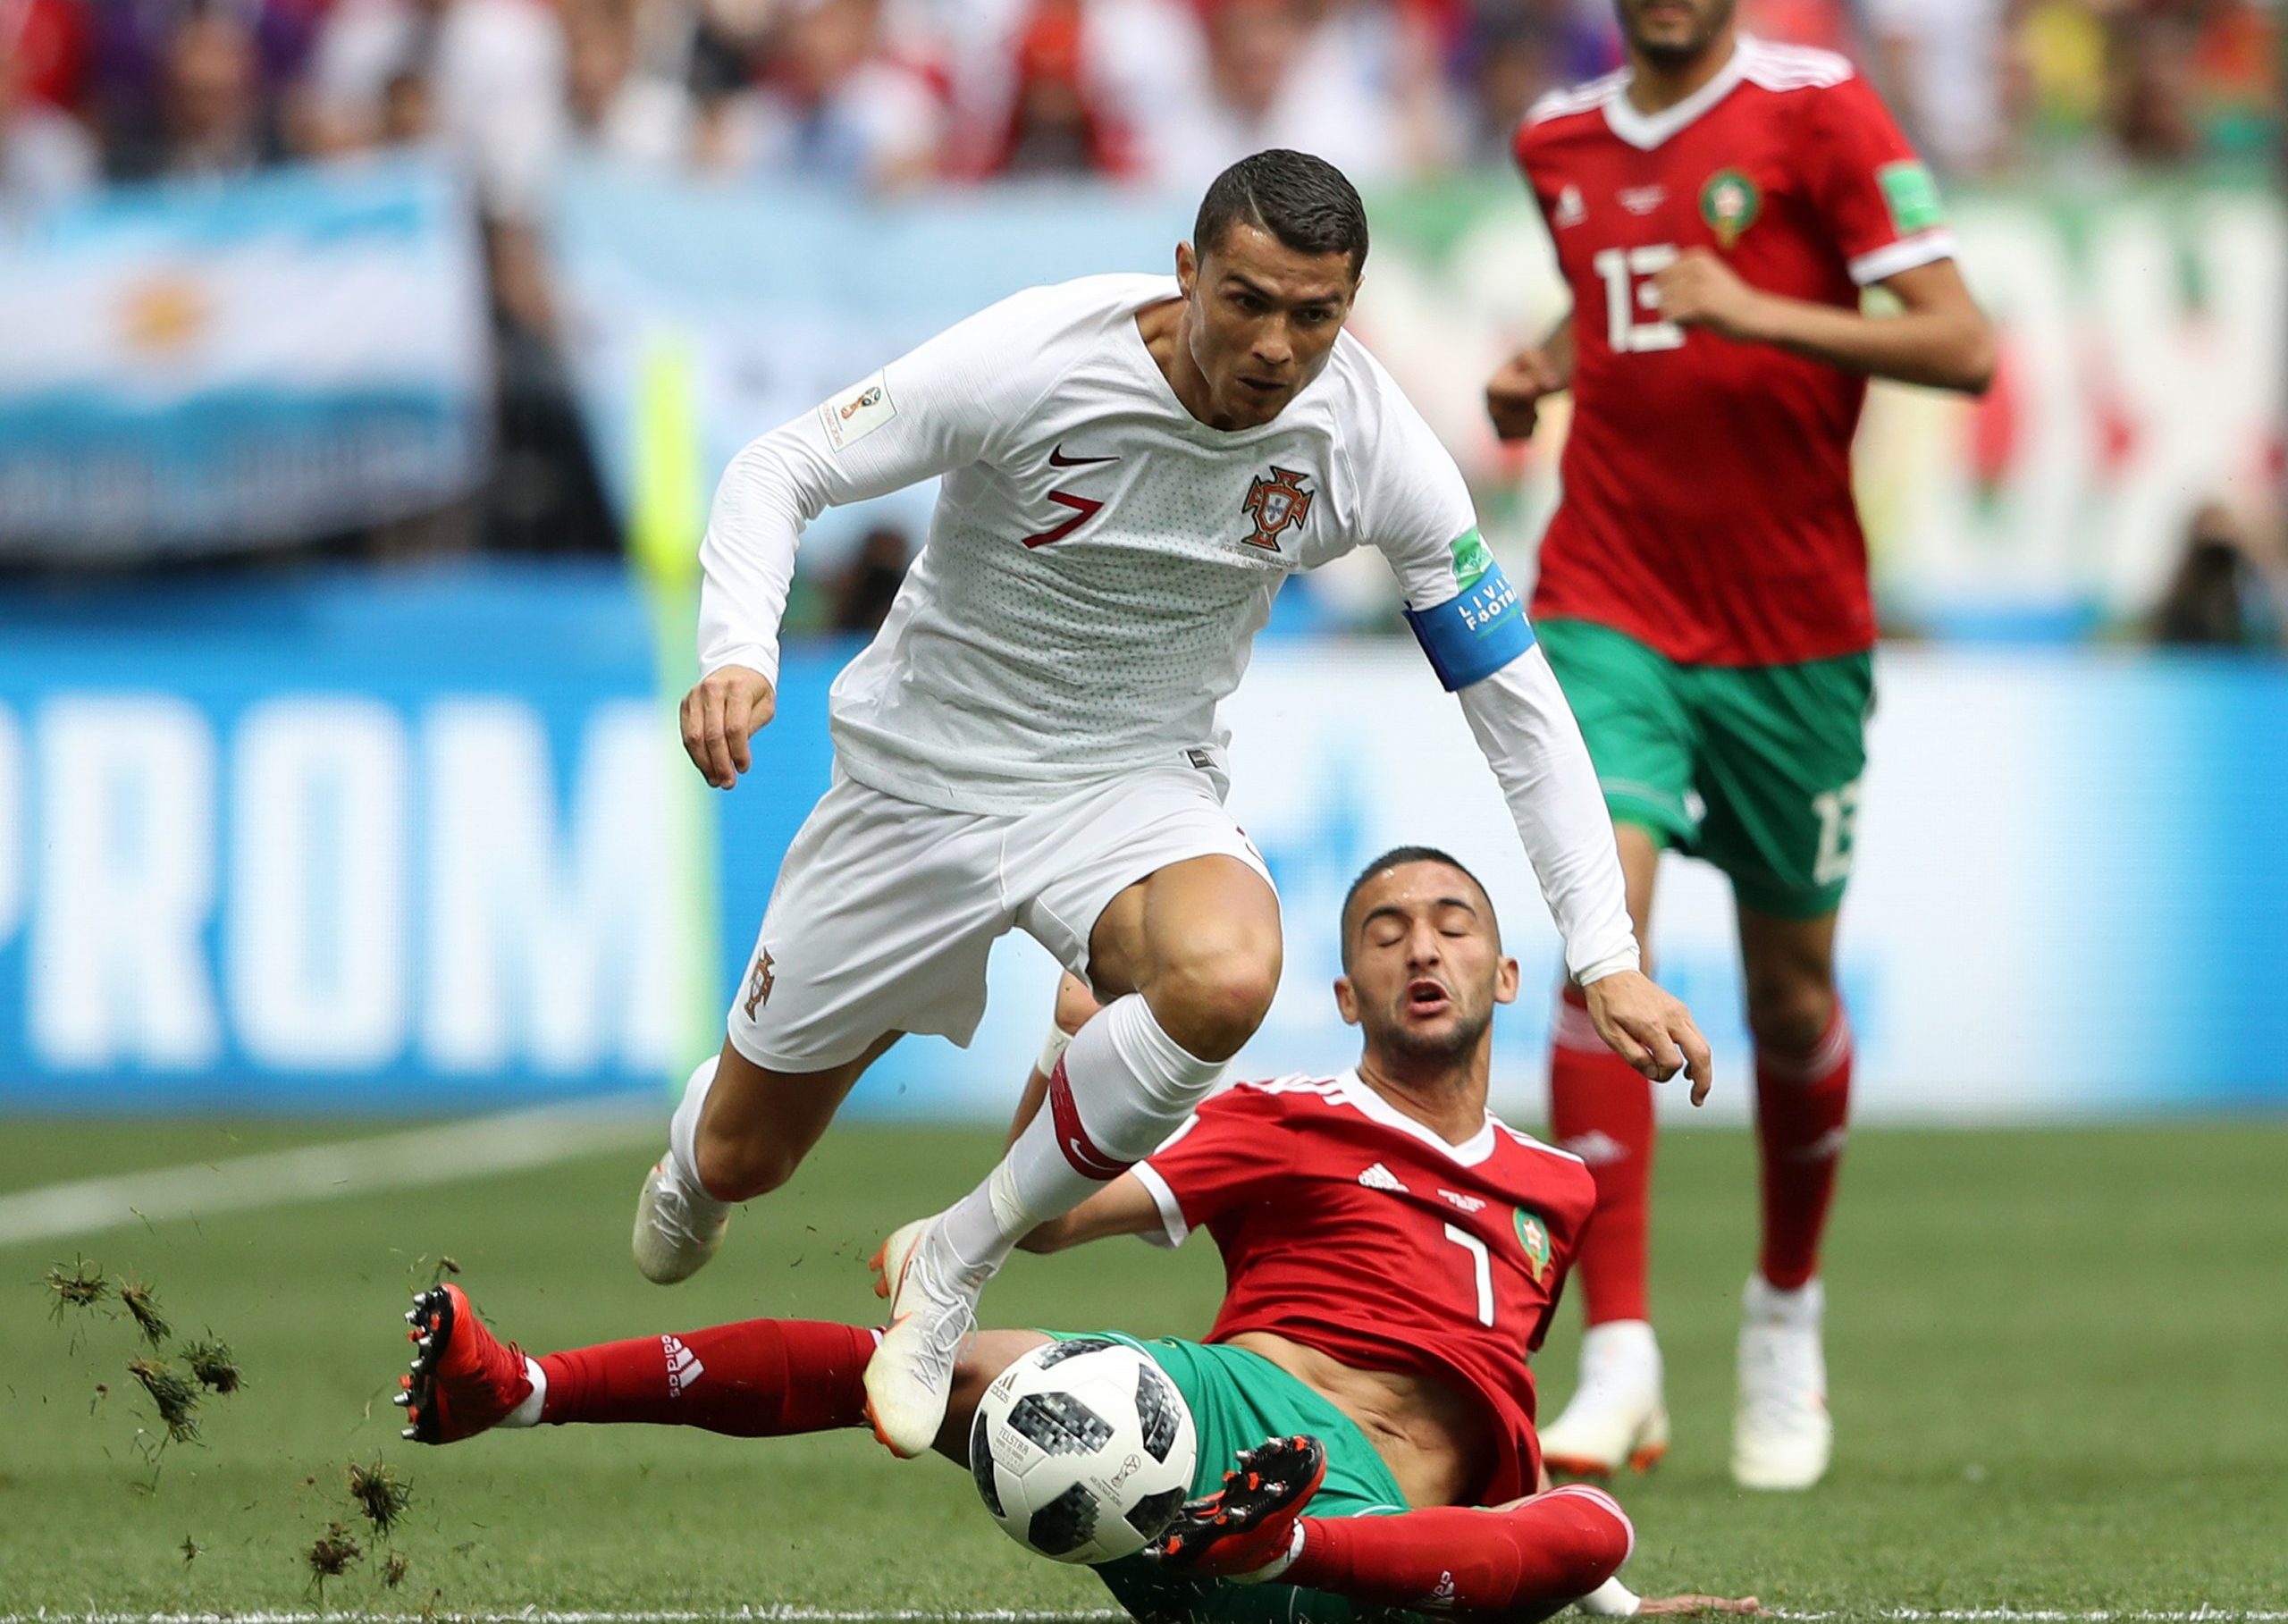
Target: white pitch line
x=747 y=1615
x=1002 y=1615
x=504 y=1143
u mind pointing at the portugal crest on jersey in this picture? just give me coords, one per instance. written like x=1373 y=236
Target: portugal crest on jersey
x=1532 y=1234
x=1277 y=502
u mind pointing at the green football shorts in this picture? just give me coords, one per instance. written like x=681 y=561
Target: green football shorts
x=1754 y=768
x=1238 y=1399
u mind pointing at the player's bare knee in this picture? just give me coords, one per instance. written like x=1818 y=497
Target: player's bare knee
x=738 y=1169
x=1211 y=1002
x=1787 y=1019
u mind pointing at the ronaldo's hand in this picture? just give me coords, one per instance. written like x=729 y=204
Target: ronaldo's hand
x=1701 y=290
x=1513 y=395
x=1650 y=1030
x=720 y=716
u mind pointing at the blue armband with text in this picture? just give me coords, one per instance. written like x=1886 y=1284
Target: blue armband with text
x=1471 y=636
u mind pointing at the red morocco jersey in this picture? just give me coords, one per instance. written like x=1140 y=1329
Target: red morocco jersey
x=1352 y=1229
x=1707 y=508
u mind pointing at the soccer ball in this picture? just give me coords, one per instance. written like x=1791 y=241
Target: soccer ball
x=1082 y=1451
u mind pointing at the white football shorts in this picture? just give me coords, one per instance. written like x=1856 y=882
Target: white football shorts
x=885 y=909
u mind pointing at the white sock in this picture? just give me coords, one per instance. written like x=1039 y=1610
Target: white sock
x=1801 y=1308
x=527 y=1412
x=1277 y=1565
x=1621 y=1351
x=683 y=1130
x=1127 y=1085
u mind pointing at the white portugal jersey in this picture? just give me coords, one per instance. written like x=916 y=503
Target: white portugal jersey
x=1099 y=562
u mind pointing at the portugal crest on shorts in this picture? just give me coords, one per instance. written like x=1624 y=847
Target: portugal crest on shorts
x=759 y=983
x=1277 y=502
x=1532 y=1234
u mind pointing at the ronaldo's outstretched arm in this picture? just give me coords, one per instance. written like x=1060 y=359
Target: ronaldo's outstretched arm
x=1471 y=624
x=934 y=409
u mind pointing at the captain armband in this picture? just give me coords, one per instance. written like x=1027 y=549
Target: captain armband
x=1471 y=637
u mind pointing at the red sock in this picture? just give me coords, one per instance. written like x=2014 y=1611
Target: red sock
x=1524 y=1562
x=1800 y=1106
x=1600 y=1109
x=760 y=1378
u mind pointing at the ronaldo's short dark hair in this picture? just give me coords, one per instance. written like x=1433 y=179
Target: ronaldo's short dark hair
x=1398 y=856
x=1305 y=201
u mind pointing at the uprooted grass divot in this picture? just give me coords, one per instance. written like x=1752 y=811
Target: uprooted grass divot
x=212 y=1366
x=381 y=1495
x=331 y=1554
x=143 y=1308
x=81 y=1286
x=174 y=1395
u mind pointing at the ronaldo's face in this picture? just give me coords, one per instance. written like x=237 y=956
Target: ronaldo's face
x=1673 y=30
x=1425 y=968
x=1265 y=318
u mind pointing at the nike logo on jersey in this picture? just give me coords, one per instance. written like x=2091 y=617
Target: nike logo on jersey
x=1379 y=1177
x=1058 y=460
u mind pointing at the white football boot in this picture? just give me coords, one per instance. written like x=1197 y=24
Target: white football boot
x=1616 y=1416
x=933 y=1309
x=1781 y=1433
x=677 y=1228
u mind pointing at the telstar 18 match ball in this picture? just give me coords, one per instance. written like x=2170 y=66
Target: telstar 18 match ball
x=1082 y=1450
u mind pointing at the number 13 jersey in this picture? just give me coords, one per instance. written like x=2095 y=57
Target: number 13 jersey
x=1707 y=508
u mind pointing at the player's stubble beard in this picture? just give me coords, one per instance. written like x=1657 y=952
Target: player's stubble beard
x=1459 y=1039
x=1669 y=50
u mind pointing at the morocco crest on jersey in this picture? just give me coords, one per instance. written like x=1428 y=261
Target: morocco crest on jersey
x=1277 y=502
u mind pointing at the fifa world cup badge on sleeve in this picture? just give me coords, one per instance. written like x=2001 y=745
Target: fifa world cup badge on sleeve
x=1911 y=196
x=857 y=412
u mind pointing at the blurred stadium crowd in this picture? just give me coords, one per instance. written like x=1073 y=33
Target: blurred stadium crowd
x=892 y=94
x=885 y=96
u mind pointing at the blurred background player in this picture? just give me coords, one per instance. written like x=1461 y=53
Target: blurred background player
x=1718 y=208
x=1133 y=465
x=1392 y=1253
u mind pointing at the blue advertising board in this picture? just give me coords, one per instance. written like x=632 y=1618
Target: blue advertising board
x=415 y=843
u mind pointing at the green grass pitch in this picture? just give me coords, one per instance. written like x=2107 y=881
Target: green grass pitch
x=2058 y=1360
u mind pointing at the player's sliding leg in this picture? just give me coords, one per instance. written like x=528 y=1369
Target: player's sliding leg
x=1600 y=1109
x=1522 y=1562
x=757 y=1378
x=1782 y=1436
x=740 y=1131
x=1188 y=960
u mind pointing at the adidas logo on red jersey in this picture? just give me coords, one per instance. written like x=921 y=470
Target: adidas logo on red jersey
x=1379 y=1177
